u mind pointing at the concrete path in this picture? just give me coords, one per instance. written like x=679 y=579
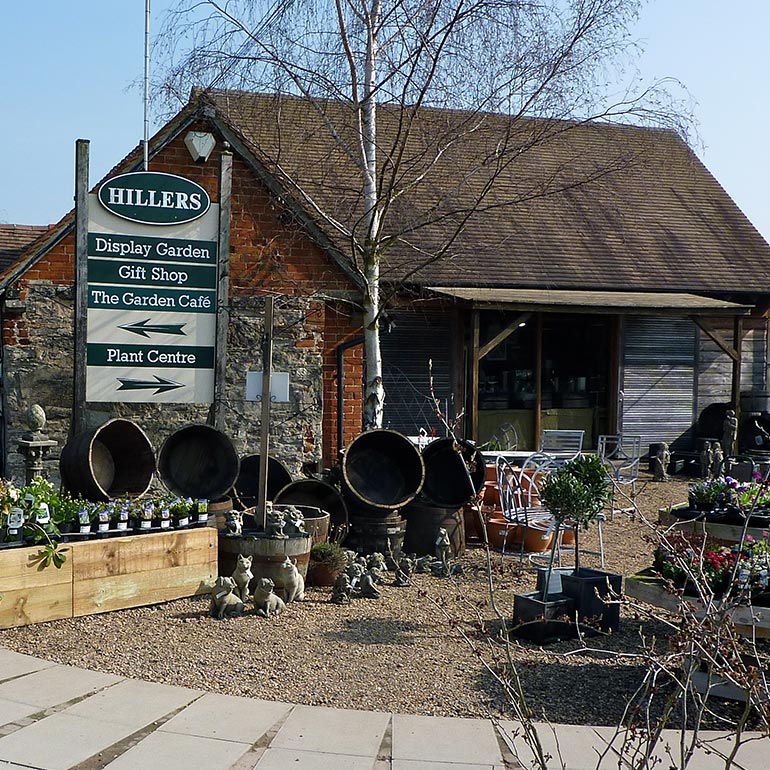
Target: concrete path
x=55 y=717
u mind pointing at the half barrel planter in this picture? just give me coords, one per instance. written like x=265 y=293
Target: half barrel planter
x=113 y=460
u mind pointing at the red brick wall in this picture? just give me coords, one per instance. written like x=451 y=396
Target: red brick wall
x=266 y=256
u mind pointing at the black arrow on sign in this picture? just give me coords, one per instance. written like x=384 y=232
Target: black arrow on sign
x=161 y=383
x=144 y=327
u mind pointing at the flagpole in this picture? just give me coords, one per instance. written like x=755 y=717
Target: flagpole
x=146 y=83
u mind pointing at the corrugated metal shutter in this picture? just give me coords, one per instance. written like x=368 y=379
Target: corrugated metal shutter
x=659 y=381
x=415 y=339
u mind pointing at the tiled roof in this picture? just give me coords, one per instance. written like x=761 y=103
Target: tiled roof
x=591 y=205
x=14 y=239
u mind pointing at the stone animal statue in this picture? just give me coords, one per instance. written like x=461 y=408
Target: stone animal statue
x=376 y=561
x=342 y=590
x=233 y=522
x=660 y=465
x=242 y=575
x=266 y=602
x=368 y=587
x=422 y=565
x=225 y=602
x=295 y=521
x=274 y=522
x=350 y=556
x=293 y=582
x=404 y=570
x=355 y=572
x=443 y=547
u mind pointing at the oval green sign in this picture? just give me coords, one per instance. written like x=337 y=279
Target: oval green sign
x=154 y=198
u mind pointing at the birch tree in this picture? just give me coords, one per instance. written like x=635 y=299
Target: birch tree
x=550 y=59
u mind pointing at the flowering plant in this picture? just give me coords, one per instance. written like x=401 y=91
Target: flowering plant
x=687 y=556
x=717 y=491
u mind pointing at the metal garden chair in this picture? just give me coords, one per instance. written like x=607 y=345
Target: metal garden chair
x=621 y=456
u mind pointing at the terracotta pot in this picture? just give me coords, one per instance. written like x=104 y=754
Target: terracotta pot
x=567 y=535
x=502 y=533
x=319 y=574
x=491 y=494
x=537 y=538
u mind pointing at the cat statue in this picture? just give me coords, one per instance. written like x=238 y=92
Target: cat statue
x=242 y=575
x=225 y=602
x=267 y=603
x=293 y=582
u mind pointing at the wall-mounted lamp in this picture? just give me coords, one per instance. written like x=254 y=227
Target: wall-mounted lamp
x=200 y=145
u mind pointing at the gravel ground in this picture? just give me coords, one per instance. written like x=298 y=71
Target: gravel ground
x=402 y=653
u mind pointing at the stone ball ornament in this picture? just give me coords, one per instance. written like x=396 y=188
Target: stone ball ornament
x=36 y=418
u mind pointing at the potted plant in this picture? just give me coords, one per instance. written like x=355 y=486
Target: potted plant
x=566 y=497
x=588 y=587
x=64 y=511
x=327 y=560
x=180 y=511
x=11 y=515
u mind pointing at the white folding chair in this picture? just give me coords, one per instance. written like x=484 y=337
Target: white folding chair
x=621 y=456
x=564 y=445
x=513 y=503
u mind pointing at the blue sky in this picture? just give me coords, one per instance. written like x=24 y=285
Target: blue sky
x=68 y=70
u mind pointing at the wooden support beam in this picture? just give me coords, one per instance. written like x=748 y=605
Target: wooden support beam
x=504 y=334
x=735 y=391
x=715 y=336
x=538 y=416
x=473 y=400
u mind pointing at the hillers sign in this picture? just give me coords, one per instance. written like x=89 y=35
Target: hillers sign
x=152 y=290
x=154 y=198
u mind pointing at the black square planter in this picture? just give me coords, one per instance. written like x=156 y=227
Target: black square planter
x=583 y=589
x=543 y=621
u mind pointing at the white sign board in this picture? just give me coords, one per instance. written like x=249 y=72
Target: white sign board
x=152 y=304
x=279 y=386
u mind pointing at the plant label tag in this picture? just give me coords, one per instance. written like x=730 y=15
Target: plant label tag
x=16 y=518
x=43 y=515
x=145 y=524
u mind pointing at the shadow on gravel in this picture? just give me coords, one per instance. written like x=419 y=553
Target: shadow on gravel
x=378 y=631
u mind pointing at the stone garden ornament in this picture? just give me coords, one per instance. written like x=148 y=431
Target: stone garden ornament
x=242 y=575
x=342 y=591
x=706 y=461
x=729 y=433
x=293 y=582
x=660 y=464
x=274 y=522
x=225 y=602
x=266 y=602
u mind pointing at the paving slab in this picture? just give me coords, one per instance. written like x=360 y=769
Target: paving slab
x=227 y=717
x=445 y=739
x=282 y=759
x=11 y=711
x=60 y=741
x=418 y=764
x=133 y=703
x=172 y=751
x=332 y=731
x=17 y=664
x=55 y=685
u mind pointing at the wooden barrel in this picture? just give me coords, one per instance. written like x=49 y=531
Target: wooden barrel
x=376 y=534
x=316 y=521
x=198 y=461
x=422 y=526
x=454 y=473
x=268 y=553
x=114 y=460
x=247 y=483
x=382 y=470
x=318 y=494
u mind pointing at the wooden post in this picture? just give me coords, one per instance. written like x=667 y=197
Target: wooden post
x=217 y=415
x=538 y=416
x=78 y=423
x=264 y=444
x=735 y=394
x=473 y=399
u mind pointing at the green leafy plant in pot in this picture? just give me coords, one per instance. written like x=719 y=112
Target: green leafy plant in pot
x=591 y=493
x=327 y=560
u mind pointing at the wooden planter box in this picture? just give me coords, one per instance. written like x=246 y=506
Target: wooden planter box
x=648 y=588
x=724 y=533
x=104 y=575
